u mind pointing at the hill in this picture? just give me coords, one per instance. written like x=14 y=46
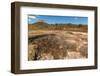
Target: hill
x=41 y=25
x=38 y=25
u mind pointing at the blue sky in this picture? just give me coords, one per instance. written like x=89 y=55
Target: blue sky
x=57 y=19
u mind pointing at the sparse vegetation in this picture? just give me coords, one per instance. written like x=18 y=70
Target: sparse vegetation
x=57 y=41
x=64 y=27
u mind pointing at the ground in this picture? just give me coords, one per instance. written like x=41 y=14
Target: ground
x=57 y=44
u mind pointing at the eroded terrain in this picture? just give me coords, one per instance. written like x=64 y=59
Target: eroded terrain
x=50 y=45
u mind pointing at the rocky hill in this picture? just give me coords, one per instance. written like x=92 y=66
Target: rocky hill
x=38 y=25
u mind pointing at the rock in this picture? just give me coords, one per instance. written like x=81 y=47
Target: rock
x=51 y=46
x=83 y=50
x=58 y=45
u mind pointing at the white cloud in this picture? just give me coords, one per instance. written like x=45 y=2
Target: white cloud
x=32 y=17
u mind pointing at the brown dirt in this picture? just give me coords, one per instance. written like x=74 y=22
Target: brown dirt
x=49 y=45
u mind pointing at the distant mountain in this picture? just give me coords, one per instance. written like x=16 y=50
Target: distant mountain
x=41 y=24
x=38 y=25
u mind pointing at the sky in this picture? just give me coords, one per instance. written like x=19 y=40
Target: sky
x=57 y=19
